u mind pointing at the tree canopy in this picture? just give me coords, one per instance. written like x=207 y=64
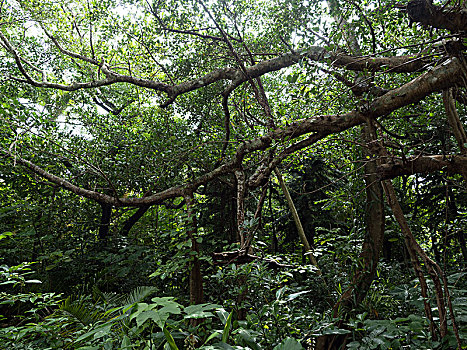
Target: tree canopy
x=189 y=121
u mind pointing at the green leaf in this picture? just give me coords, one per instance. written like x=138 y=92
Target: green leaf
x=5 y=234
x=223 y=315
x=103 y=331
x=245 y=338
x=295 y=295
x=219 y=346
x=216 y=334
x=158 y=318
x=335 y=331
x=171 y=309
x=289 y=344
x=228 y=325
x=33 y=281
x=96 y=332
x=163 y=301
x=170 y=339
x=200 y=310
x=126 y=343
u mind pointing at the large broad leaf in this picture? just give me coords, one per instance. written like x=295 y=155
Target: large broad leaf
x=145 y=312
x=140 y=307
x=156 y=316
x=245 y=338
x=171 y=309
x=96 y=333
x=163 y=301
x=126 y=343
x=335 y=331
x=223 y=315
x=200 y=310
x=289 y=344
x=215 y=334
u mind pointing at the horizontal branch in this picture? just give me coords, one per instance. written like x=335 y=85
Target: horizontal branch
x=425 y=13
x=448 y=74
x=398 y=64
x=236 y=75
x=452 y=164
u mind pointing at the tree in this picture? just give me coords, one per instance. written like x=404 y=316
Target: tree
x=138 y=104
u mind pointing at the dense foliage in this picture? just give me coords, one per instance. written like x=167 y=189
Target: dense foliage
x=233 y=174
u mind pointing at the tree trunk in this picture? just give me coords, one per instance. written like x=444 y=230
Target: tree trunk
x=374 y=221
x=432 y=267
x=371 y=249
x=196 y=279
x=132 y=220
x=104 y=224
x=456 y=124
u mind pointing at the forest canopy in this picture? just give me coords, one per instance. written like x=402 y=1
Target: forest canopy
x=292 y=173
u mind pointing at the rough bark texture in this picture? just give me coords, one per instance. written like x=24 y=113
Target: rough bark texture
x=240 y=177
x=435 y=272
x=427 y=14
x=431 y=266
x=456 y=125
x=454 y=120
x=389 y=190
x=437 y=79
x=451 y=164
x=373 y=243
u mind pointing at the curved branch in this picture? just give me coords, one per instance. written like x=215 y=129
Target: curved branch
x=427 y=14
x=238 y=76
x=441 y=77
x=452 y=164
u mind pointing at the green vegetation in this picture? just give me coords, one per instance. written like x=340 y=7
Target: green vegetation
x=233 y=174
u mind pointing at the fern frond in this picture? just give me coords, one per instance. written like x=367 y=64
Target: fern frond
x=80 y=312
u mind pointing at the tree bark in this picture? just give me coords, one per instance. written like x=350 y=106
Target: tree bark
x=427 y=14
x=240 y=177
x=196 y=279
x=456 y=125
x=104 y=225
x=371 y=248
x=132 y=220
x=432 y=267
x=394 y=204
x=373 y=243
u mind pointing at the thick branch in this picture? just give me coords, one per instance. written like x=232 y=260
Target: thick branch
x=439 y=78
x=444 y=76
x=425 y=13
x=237 y=76
x=452 y=164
